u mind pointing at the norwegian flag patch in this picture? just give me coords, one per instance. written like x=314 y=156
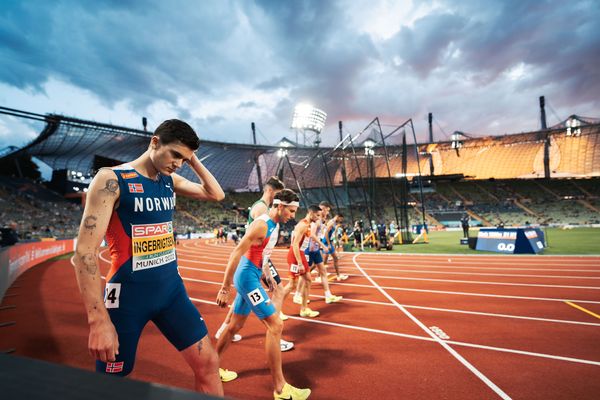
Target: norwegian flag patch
x=114 y=367
x=135 y=188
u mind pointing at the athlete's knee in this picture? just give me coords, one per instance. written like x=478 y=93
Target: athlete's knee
x=236 y=323
x=275 y=325
x=207 y=360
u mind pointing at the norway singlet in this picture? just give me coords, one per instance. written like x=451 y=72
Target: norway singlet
x=143 y=283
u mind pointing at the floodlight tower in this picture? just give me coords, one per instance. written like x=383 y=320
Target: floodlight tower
x=308 y=119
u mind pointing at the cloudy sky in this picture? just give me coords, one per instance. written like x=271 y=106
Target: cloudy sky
x=479 y=66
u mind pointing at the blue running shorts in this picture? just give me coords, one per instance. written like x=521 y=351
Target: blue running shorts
x=251 y=296
x=314 y=257
x=165 y=302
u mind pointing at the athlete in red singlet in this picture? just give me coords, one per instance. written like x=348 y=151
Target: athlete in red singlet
x=297 y=262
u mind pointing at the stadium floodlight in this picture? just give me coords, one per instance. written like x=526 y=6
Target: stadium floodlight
x=308 y=119
x=282 y=152
x=456 y=138
x=573 y=126
x=369 y=144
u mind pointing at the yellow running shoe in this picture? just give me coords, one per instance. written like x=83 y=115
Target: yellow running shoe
x=307 y=312
x=291 y=393
x=333 y=299
x=283 y=316
x=227 y=375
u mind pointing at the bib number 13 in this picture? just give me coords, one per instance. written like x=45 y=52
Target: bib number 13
x=111 y=295
x=256 y=297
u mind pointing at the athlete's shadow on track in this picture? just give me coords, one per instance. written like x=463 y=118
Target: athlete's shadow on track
x=316 y=363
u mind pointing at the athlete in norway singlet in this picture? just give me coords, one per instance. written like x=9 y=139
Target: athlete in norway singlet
x=143 y=283
x=140 y=231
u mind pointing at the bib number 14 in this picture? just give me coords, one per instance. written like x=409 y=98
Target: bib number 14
x=111 y=295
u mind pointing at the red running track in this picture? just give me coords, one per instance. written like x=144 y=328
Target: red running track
x=504 y=327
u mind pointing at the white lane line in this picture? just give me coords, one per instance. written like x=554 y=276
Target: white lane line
x=350 y=267
x=466 y=258
x=316 y=296
x=485 y=314
x=442 y=343
x=464 y=344
x=500 y=296
x=430 y=339
x=413 y=271
x=223 y=256
x=457 y=266
x=484 y=257
x=486 y=282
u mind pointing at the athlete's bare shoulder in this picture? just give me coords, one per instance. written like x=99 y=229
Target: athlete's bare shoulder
x=105 y=183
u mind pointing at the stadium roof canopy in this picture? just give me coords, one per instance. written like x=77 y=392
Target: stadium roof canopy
x=84 y=146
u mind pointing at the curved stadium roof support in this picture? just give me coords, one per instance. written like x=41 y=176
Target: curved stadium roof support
x=80 y=145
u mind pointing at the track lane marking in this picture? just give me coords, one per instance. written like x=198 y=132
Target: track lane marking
x=430 y=291
x=421 y=307
x=593 y=314
x=452 y=292
x=342 y=265
x=443 y=343
x=463 y=344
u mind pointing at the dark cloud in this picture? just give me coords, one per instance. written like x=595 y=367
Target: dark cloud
x=476 y=65
x=425 y=46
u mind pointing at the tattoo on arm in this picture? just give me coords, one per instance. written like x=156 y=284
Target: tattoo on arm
x=112 y=185
x=89 y=263
x=89 y=222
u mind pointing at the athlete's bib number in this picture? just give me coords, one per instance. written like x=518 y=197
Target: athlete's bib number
x=294 y=268
x=256 y=297
x=273 y=270
x=111 y=295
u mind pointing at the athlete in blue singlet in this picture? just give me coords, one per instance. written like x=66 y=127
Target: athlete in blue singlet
x=327 y=240
x=133 y=206
x=261 y=207
x=244 y=269
x=313 y=253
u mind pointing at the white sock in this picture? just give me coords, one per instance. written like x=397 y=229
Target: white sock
x=328 y=293
x=297 y=294
x=221 y=329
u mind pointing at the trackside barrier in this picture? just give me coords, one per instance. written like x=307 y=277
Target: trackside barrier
x=25 y=378
x=511 y=240
x=17 y=259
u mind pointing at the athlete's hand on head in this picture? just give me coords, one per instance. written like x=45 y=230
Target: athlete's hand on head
x=223 y=296
x=103 y=343
x=194 y=159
